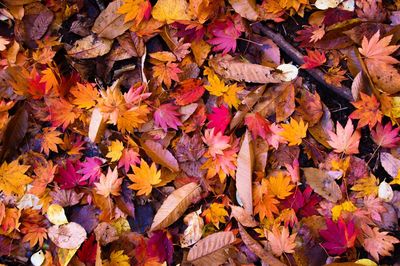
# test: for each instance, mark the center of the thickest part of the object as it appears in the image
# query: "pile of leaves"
(137, 132)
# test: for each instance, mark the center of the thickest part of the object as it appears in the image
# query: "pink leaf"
(166, 116)
(225, 34)
(219, 118)
(385, 136)
(91, 169)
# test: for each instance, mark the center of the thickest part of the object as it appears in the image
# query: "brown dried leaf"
(110, 24)
(90, 47)
(211, 250)
(323, 184)
(390, 81)
(244, 171)
(261, 149)
(175, 205)
(232, 68)
(69, 236)
(97, 126)
(257, 249)
(160, 155)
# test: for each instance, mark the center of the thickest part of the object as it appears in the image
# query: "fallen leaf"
(68, 236)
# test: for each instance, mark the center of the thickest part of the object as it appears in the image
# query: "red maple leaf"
(219, 118)
(68, 177)
(386, 136)
(257, 125)
(338, 236)
(91, 169)
(188, 91)
(36, 88)
(166, 116)
(303, 203)
(88, 250)
(160, 246)
(225, 34)
(313, 59)
(189, 30)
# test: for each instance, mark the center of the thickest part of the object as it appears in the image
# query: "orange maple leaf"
(50, 79)
(62, 113)
(166, 73)
(144, 178)
(135, 10)
(367, 111)
(264, 202)
(85, 95)
(50, 139)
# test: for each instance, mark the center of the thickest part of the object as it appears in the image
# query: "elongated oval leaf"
(245, 162)
(175, 205)
(97, 126)
(390, 163)
(234, 69)
(211, 250)
(323, 184)
(257, 249)
(110, 24)
(160, 155)
(90, 47)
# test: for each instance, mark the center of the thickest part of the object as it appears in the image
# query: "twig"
(297, 57)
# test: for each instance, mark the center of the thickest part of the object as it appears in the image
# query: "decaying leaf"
(323, 183)
(175, 205)
(160, 155)
(214, 249)
(90, 47)
(68, 236)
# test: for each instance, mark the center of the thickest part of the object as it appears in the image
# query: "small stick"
(297, 57)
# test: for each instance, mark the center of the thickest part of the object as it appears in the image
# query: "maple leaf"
(378, 243)
(36, 88)
(170, 11)
(68, 177)
(219, 118)
(335, 76)
(117, 258)
(309, 34)
(62, 113)
(132, 118)
(222, 164)
(279, 185)
(33, 226)
(50, 139)
(257, 125)
(367, 111)
(280, 240)
(44, 175)
(109, 184)
(135, 10)
(216, 142)
(313, 59)
(13, 178)
(304, 203)
(50, 79)
(188, 91)
(115, 150)
(144, 178)
(111, 103)
(215, 214)
(166, 73)
(90, 169)
(366, 186)
(10, 221)
(294, 132)
(385, 136)
(166, 116)
(129, 157)
(161, 247)
(379, 49)
(347, 206)
(345, 139)
(264, 202)
(85, 95)
(88, 250)
(225, 33)
(230, 97)
(338, 236)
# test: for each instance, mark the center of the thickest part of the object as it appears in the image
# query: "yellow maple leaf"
(170, 11)
(366, 186)
(135, 10)
(279, 185)
(294, 132)
(215, 214)
(144, 178)
(13, 178)
(117, 258)
(115, 150)
(133, 118)
(345, 206)
(50, 78)
(50, 139)
(109, 184)
(218, 88)
(85, 95)
(111, 103)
